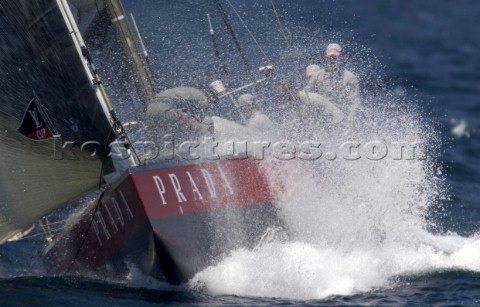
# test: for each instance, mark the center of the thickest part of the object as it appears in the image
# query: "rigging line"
(281, 26)
(230, 31)
(248, 30)
(215, 46)
(55, 223)
(104, 159)
(86, 232)
(139, 37)
(42, 234)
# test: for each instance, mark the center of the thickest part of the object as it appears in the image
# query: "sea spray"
(353, 225)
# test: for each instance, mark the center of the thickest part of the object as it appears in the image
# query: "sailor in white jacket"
(184, 108)
(340, 86)
(311, 70)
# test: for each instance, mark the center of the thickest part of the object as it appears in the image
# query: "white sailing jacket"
(342, 89)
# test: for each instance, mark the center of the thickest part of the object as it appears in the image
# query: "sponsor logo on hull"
(166, 193)
(201, 188)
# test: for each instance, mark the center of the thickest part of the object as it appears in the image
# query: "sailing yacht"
(61, 138)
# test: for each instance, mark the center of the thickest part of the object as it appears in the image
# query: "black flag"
(33, 125)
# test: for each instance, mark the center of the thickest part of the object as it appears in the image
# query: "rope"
(248, 30)
(86, 233)
(43, 234)
(281, 26)
(54, 223)
(230, 31)
(215, 47)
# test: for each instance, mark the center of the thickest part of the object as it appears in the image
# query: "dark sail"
(46, 90)
(118, 54)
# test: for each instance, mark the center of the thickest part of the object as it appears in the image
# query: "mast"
(137, 62)
(103, 99)
(87, 61)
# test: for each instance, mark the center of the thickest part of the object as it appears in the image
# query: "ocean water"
(381, 232)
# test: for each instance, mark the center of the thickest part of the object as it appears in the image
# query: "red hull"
(170, 222)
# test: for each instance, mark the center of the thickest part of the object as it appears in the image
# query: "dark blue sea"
(378, 234)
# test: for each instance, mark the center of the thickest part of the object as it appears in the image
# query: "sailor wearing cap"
(337, 84)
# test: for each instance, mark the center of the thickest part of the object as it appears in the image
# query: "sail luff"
(79, 44)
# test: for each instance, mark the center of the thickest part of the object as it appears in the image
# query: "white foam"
(354, 226)
(299, 270)
(461, 129)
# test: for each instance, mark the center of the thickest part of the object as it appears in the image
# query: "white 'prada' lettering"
(209, 182)
(118, 211)
(195, 190)
(226, 183)
(178, 189)
(97, 233)
(198, 194)
(160, 188)
(127, 207)
(101, 221)
(115, 228)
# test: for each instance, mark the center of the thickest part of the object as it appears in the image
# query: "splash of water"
(353, 225)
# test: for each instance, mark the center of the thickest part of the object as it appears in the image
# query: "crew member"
(337, 84)
(255, 120)
(306, 109)
(184, 108)
(288, 103)
(311, 70)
